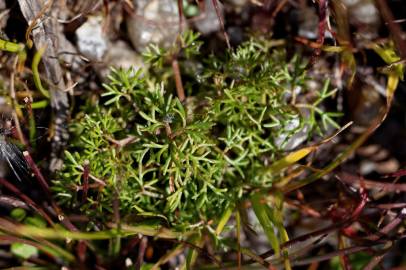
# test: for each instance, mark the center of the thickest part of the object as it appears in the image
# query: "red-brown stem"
(171, 184)
(369, 184)
(322, 232)
(106, 10)
(37, 173)
(81, 251)
(178, 80)
(26, 199)
(325, 257)
(62, 218)
(141, 251)
(388, 206)
(396, 174)
(374, 262)
(131, 245)
(13, 202)
(394, 28)
(116, 209)
(278, 8)
(216, 7)
(180, 12)
(323, 5)
(389, 227)
(204, 252)
(345, 261)
(361, 205)
(86, 173)
(304, 208)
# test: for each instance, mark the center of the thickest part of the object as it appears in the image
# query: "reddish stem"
(86, 173)
(37, 173)
(178, 80)
(62, 218)
(26, 199)
(216, 7)
(369, 184)
(394, 28)
(180, 12)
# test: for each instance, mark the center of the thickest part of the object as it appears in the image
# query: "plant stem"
(178, 80)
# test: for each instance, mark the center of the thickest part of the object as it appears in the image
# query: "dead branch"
(44, 36)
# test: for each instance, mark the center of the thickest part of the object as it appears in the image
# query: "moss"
(186, 163)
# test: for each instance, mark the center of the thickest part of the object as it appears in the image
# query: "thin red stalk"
(323, 5)
(128, 7)
(107, 17)
(325, 231)
(394, 28)
(37, 173)
(131, 245)
(216, 7)
(361, 205)
(374, 262)
(180, 12)
(178, 80)
(26, 199)
(319, 234)
(304, 208)
(369, 184)
(328, 256)
(345, 261)
(278, 8)
(116, 209)
(396, 174)
(391, 205)
(13, 202)
(203, 252)
(81, 251)
(86, 173)
(106, 7)
(389, 227)
(141, 252)
(238, 236)
(62, 218)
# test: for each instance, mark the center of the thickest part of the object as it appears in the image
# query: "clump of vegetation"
(206, 157)
(186, 163)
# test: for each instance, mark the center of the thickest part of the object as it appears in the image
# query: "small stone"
(154, 22)
(209, 22)
(364, 15)
(120, 55)
(91, 40)
(367, 13)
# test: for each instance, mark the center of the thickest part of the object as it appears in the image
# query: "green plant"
(185, 164)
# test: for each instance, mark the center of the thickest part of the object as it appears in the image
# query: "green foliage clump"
(187, 162)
